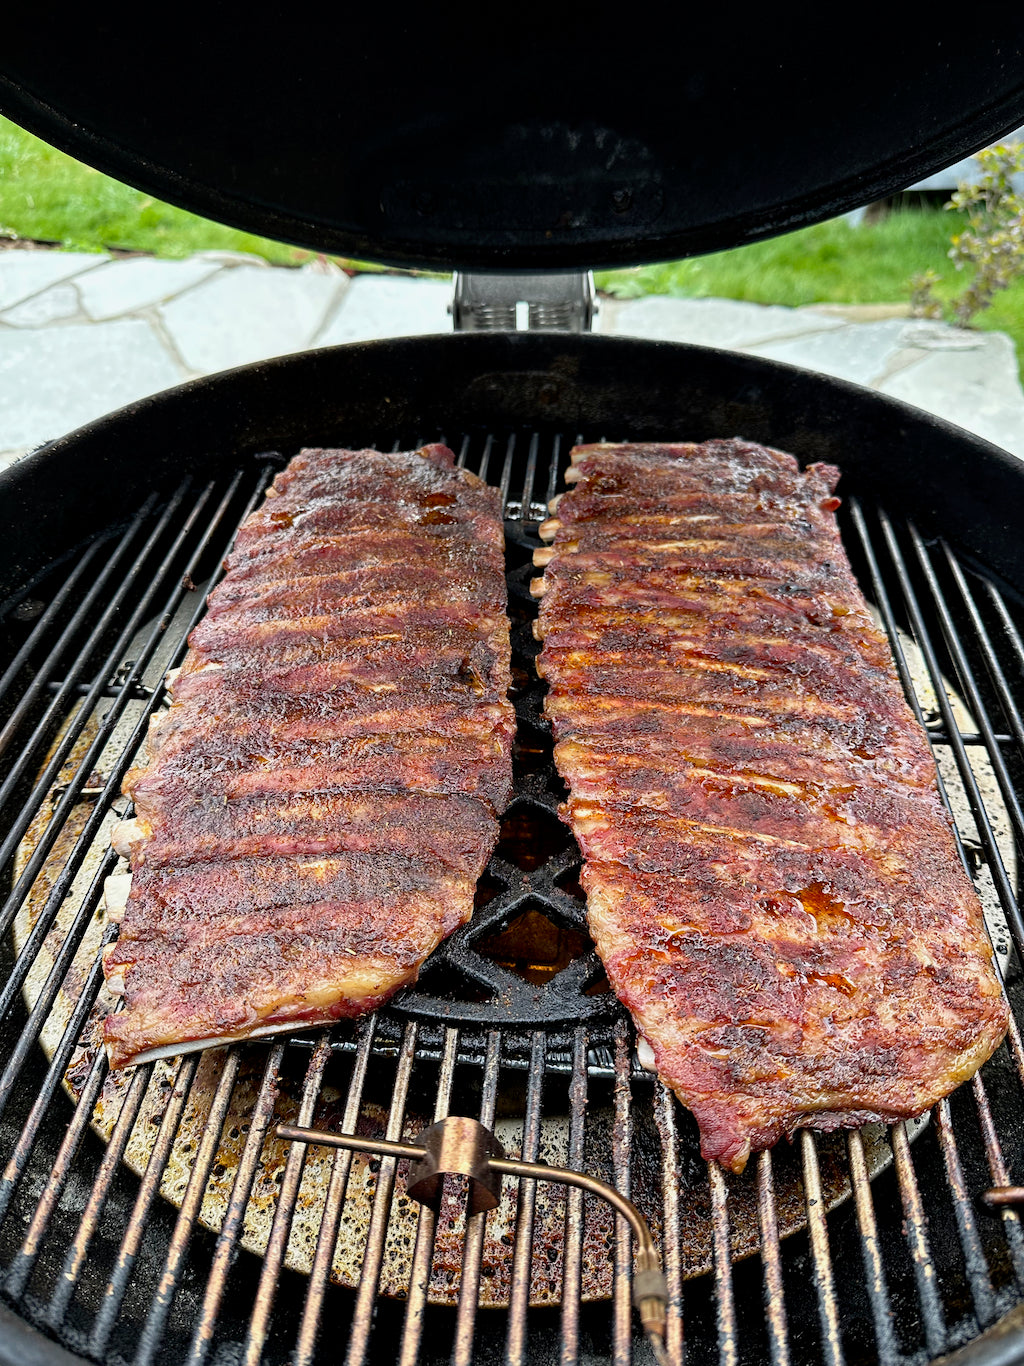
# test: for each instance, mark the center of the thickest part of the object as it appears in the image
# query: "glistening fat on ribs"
(772, 879)
(320, 798)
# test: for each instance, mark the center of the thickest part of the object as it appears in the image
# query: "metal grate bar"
(69, 1147)
(273, 1258)
(622, 1143)
(771, 1261)
(506, 469)
(106, 728)
(71, 630)
(463, 453)
(968, 683)
(1000, 1177)
(974, 1256)
(167, 1287)
(916, 1229)
(984, 825)
(665, 1118)
(37, 1016)
(419, 1275)
(174, 1104)
(62, 884)
(874, 1268)
(312, 1309)
(485, 458)
(21, 1268)
(555, 468)
(224, 1251)
(472, 1252)
(56, 709)
(19, 1158)
(992, 664)
(828, 1309)
(725, 1305)
(89, 1222)
(522, 1256)
(1004, 891)
(369, 1276)
(529, 477)
(1007, 622)
(572, 1254)
(37, 636)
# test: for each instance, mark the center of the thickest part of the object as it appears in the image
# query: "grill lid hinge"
(555, 301)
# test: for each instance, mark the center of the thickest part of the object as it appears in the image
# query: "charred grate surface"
(131, 1207)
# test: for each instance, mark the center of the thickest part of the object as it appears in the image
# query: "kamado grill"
(183, 1211)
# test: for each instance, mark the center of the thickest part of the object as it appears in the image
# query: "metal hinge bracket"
(556, 301)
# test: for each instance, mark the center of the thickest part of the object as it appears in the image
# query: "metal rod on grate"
(963, 1210)
(369, 1277)
(173, 1102)
(771, 1261)
(89, 1222)
(419, 1274)
(917, 1240)
(522, 1254)
(575, 1207)
(874, 1267)
(312, 1309)
(472, 1252)
(665, 1118)
(824, 1281)
(273, 1257)
(191, 1205)
(231, 1229)
(725, 1307)
(1000, 1177)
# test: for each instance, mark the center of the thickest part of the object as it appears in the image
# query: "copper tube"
(997, 1196)
(650, 1292)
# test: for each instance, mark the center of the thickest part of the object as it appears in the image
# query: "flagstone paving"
(82, 335)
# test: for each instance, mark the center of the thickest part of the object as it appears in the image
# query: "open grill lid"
(391, 137)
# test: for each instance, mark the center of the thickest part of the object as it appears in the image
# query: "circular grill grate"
(126, 1203)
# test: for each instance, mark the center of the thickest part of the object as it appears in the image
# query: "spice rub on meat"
(772, 879)
(314, 809)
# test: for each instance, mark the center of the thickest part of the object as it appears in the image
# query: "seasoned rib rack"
(320, 799)
(772, 880)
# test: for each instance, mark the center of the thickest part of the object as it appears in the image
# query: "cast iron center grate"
(105, 1241)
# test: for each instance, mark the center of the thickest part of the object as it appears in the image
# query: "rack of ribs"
(772, 878)
(316, 805)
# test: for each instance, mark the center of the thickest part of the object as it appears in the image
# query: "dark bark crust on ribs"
(314, 810)
(771, 875)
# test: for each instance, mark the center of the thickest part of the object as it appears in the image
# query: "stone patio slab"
(54, 379)
(126, 286)
(389, 306)
(976, 388)
(728, 323)
(246, 314)
(862, 352)
(24, 273)
(57, 302)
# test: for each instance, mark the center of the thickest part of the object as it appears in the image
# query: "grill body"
(908, 1268)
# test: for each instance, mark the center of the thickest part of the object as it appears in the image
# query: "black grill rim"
(901, 457)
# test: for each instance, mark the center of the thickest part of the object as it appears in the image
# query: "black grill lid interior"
(586, 136)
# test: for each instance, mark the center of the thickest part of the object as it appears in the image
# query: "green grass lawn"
(47, 196)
